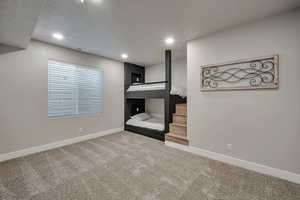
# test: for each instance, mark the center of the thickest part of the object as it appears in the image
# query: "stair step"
(180, 114)
(178, 124)
(180, 119)
(178, 129)
(177, 139)
(180, 110)
(181, 105)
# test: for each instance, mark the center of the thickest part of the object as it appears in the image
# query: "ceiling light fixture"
(124, 56)
(169, 40)
(58, 36)
(82, 1)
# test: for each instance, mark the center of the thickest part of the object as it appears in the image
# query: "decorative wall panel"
(256, 73)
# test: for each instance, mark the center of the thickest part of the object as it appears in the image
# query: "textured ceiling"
(138, 27)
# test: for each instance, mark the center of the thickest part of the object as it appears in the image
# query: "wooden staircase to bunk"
(178, 129)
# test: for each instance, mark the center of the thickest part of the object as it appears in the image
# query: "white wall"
(157, 73)
(24, 118)
(263, 126)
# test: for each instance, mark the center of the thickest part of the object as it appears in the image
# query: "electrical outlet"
(229, 147)
(80, 130)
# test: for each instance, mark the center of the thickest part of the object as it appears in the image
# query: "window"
(73, 89)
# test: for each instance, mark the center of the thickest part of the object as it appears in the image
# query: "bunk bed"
(136, 91)
(148, 125)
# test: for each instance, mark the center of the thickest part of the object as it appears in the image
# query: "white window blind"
(73, 89)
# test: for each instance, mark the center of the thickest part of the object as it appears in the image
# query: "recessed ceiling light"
(58, 36)
(169, 40)
(82, 1)
(124, 56)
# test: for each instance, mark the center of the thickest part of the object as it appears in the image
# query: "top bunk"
(146, 90)
(135, 86)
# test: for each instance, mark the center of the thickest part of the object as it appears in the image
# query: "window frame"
(81, 66)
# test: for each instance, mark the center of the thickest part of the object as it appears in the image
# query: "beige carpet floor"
(128, 167)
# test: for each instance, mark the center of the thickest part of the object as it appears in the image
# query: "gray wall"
(23, 99)
(157, 73)
(263, 126)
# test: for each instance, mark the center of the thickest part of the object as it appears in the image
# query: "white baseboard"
(37, 149)
(286, 175)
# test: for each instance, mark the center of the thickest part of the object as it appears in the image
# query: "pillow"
(141, 116)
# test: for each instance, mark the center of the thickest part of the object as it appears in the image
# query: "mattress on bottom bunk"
(146, 87)
(152, 123)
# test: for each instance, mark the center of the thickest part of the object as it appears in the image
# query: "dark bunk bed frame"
(135, 100)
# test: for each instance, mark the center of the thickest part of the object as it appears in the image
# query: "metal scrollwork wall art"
(257, 73)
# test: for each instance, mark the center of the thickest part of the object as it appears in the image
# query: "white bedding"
(152, 123)
(178, 91)
(158, 86)
(143, 87)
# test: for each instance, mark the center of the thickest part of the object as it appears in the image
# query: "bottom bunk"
(152, 133)
(147, 125)
(152, 125)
